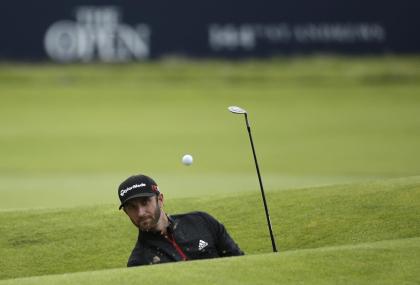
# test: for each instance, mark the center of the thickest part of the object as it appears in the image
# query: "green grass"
(43, 242)
(78, 130)
(324, 129)
(386, 262)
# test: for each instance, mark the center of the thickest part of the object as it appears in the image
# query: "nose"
(141, 211)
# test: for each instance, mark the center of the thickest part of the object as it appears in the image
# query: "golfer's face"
(144, 212)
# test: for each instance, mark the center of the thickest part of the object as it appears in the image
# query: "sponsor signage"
(119, 31)
(97, 33)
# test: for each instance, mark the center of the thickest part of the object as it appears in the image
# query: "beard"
(149, 223)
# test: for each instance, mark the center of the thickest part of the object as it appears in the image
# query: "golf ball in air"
(187, 159)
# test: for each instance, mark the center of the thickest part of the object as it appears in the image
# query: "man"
(163, 238)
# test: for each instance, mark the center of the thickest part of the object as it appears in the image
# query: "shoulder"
(193, 216)
(197, 219)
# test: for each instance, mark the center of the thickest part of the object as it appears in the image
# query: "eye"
(130, 207)
(144, 202)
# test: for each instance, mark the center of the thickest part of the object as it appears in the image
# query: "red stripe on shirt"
(178, 249)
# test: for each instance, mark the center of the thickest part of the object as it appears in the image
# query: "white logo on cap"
(124, 191)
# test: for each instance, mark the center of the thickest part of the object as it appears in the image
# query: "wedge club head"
(236, 110)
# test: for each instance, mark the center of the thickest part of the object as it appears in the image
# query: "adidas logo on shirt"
(202, 244)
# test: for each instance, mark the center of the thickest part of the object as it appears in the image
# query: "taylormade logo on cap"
(137, 186)
(124, 191)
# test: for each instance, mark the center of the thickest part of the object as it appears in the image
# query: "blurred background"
(94, 91)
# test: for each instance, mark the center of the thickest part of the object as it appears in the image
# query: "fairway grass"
(70, 133)
(343, 225)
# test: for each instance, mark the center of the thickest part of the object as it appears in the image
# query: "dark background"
(181, 27)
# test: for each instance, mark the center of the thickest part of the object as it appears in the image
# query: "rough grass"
(42, 242)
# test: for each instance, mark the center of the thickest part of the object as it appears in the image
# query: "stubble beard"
(154, 220)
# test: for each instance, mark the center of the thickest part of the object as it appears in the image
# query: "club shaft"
(273, 241)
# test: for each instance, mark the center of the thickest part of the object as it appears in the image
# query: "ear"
(160, 199)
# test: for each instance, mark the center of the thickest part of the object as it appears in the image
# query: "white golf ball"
(187, 159)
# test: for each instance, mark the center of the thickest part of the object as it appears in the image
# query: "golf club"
(238, 110)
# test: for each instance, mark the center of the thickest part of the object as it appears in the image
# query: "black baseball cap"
(137, 186)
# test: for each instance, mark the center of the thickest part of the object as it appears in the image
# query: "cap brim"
(138, 196)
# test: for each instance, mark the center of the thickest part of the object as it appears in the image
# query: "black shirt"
(195, 235)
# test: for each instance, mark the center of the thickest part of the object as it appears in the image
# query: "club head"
(236, 110)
